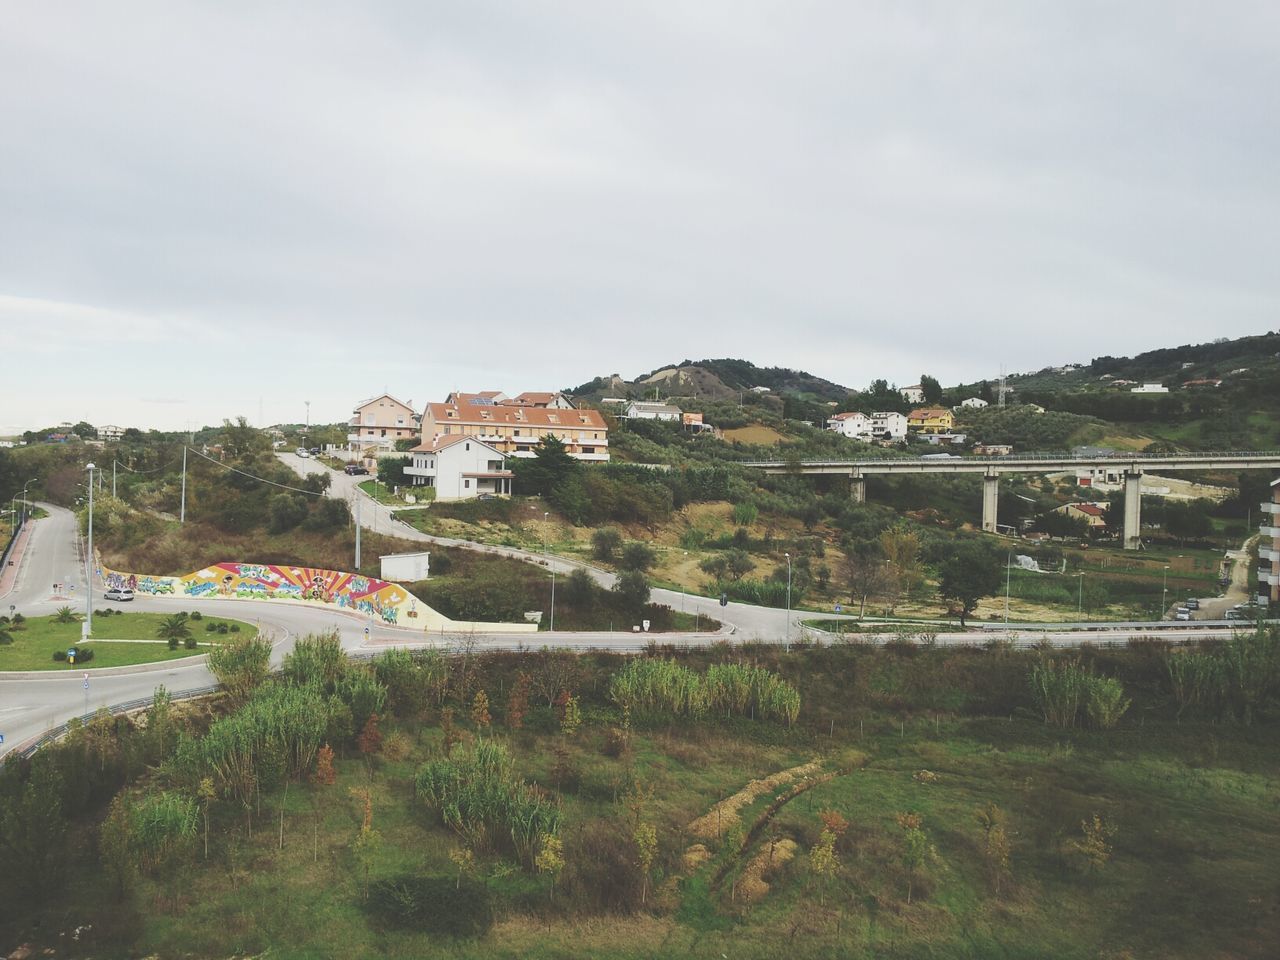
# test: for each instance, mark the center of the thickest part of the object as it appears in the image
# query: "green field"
(1186, 863)
(34, 644)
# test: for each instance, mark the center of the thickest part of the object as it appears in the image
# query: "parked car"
(1182, 615)
(487, 496)
(302, 452)
(315, 451)
(355, 470)
(119, 593)
(1192, 604)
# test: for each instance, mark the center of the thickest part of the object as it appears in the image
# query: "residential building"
(1094, 514)
(888, 425)
(517, 431)
(1100, 478)
(651, 410)
(1034, 407)
(853, 424)
(693, 423)
(1149, 388)
(931, 420)
(1203, 382)
(993, 449)
(546, 401)
(945, 439)
(459, 467)
(974, 403)
(1269, 550)
(376, 424)
(913, 394)
(110, 433)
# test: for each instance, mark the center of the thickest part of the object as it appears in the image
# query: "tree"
(995, 845)
(1095, 843)
(864, 571)
(631, 591)
(480, 710)
(325, 774)
(241, 665)
(450, 731)
(901, 548)
(114, 847)
(368, 842)
(823, 861)
(518, 702)
(370, 740)
(548, 468)
(605, 543)
(464, 860)
(915, 847)
(550, 858)
(174, 628)
(570, 715)
(931, 389)
(206, 793)
(638, 556)
(33, 831)
(646, 840)
(969, 574)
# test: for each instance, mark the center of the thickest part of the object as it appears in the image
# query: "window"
(467, 445)
(466, 484)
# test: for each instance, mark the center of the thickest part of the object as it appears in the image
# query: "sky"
(220, 209)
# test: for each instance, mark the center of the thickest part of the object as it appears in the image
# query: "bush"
(441, 905)
(191, 643)
(173, 643)
(59, 656)
(638, 556)
(605, 543)
(210, 627)
(197, 615)
(235, 628)
(222, 628)
(83, 655)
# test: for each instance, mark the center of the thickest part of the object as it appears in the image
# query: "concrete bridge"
(1133, 466)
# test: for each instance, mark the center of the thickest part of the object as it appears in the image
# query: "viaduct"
(1132, 464)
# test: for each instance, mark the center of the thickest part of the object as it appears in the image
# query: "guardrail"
(1066, 456)
(28, 748)
(13, 539)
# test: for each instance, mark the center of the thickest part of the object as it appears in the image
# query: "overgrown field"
(855, 801)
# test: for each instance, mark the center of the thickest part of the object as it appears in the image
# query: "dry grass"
(752, 885)
(723, 816)
(755, 433)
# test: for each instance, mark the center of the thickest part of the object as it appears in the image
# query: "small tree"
(175, 629)
(1095, 843)
(114, 846)
(638, 556)
(550, 859)
(449, 729)
(480, 710)
(645, 836)
(995, 845)
(824, 862)
(325, 774)
(464, 860)
(370, 741)
(915, 847)
(968, 575)
(605, 543)
(518, 701)
(206, 794)
(570, 715)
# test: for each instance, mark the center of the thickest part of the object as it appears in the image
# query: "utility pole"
(357, 496)
(553, 599)
(89, 565)
(787, 645)
(182, 515)
(1008, 573)
(113, 478)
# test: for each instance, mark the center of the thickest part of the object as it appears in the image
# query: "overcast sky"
(211, 209)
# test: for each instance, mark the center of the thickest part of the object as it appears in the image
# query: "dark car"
(315, 451)
(355, 470)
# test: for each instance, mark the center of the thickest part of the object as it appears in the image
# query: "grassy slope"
(1198, 841)
(33, 646)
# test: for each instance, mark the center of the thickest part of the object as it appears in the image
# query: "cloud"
(243, 209)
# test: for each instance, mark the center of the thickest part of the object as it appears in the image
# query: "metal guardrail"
(13, 539)
(1171, 459)
(29, 747)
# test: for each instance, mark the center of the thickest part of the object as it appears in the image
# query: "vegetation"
(36, 642)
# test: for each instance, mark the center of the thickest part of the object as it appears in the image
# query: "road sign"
(837, 608)
(724, 599)
(86, 681)
(1, 738)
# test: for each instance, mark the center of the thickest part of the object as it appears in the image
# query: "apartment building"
(516, 431)
(376, 424)
(931, 420)
(1269, 550)
(459, 467)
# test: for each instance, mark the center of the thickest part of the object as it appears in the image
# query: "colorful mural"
(389, 602)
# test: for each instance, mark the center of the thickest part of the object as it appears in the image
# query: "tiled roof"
(474, 413)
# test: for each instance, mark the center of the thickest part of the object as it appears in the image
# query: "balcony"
(1271, 508)
(412, 471)
(591, 457)
(1270, 554)
(1271, 533)
(1270, 577)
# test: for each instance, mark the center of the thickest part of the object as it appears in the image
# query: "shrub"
(197, 615)
(605, 543)
(395, 746)
(222, 628)
(235, 628)
(191, 643)
(638, 556)
(59, 656)
(64, 615)
(6, 637)
(84, 654)
(446, 906)
(1107, 702)
(210, 628)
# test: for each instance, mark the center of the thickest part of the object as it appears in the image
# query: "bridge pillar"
(858, 488)
(1133, 510)
(990, 501)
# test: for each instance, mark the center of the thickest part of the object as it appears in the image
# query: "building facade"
(516, 431)
(651, 410)
(459, 467)
(376, 424)
(854, 424)
(931, 420)
(888, 425)
(1269, 551)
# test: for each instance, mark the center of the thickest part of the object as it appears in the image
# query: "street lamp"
(545, 519)
(1080, 596)
(788, 641)
(683, 589)
(1164, 593)
(88, 580)
(1008, 573)
(26, 507)
(553, 600)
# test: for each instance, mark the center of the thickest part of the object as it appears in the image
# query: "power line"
(282, 486)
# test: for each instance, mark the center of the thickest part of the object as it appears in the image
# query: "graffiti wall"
(388, 602)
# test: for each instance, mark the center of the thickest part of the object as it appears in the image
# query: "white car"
(119, 593)
(302, 452)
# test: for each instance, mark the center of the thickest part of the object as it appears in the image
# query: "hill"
(714, 380)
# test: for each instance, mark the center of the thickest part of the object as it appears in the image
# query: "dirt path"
(1237, 591)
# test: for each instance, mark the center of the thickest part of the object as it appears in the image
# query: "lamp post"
(683, 589)
(546, 515)
(787, 645)
(26, 506)
(553, 600)
(88, 579)
(1008, 574)
(1164, 593)
(1080, 595)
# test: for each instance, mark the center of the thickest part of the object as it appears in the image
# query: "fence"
(13, 539)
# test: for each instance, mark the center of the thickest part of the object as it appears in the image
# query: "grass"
(380, 492)
(33, 646)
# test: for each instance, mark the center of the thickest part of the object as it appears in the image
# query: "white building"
(889, 425)
(1149, 388)
(913, 394)
(855, 424)
(974, 403)
(649, 410)
(110, 433)
(459, 467)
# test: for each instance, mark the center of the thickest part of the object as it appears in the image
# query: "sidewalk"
(9, 575)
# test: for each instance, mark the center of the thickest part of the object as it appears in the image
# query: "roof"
(654, 406)
(475, 413)
(381, 396)
(850, 415)
(536, 397)
(448, 440)
(928, 412)
(491, 475)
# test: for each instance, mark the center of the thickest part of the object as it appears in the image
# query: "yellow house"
(377, 423)
(931, 420)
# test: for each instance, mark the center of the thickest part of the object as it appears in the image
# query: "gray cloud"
(319, 201)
